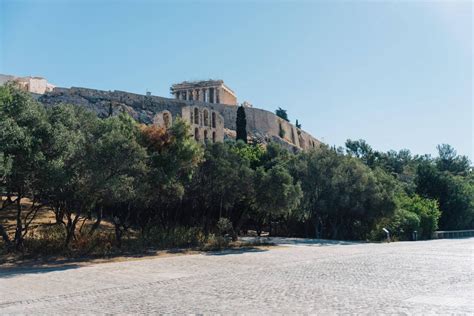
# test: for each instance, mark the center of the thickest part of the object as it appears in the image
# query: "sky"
(398, 74)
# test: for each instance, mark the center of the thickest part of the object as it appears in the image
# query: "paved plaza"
(428, 277)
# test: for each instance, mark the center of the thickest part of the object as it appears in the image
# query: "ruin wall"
(260, 123)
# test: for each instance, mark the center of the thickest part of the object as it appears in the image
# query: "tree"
(360, 149)
(414, 214)
(173, 157)
(277, 194)
(282, 114)
(222, 187)
(449, 161)
(241, 124)
(454, 194)
(297, 124)
(23, 130)
(118, 163)
(251, 154)
(92, 163)
(342, 197)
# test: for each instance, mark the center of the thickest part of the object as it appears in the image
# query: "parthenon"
(209, 91)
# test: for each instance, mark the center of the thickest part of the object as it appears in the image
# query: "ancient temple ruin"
(209, 91)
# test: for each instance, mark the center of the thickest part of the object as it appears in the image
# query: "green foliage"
(414, 214)
(454, 194)
(449, 160)
(404, 223)
(342, 197)
(427, 210)
(282, 114)
(224, 226)
(176, 237)
(446, 179)
(23, 133)
(251, 154)
(277, 193)
(281, 131)
(297, 124)
(161, 185)
(221, 184)
(241, 124)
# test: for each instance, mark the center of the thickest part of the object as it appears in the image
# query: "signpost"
(388, 233)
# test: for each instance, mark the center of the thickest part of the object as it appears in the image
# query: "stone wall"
(262, 124)
(206, 124)
(226, 98)
(37, 85)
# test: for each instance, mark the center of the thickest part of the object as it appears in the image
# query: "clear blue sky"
(397, 74)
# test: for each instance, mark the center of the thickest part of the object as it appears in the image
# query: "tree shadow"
(6, 273)
(290, 241)
(234, 251)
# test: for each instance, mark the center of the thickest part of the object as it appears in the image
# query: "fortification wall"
(260, 123)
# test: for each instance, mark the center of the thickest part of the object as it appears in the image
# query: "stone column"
(216, 97)
(190, 95)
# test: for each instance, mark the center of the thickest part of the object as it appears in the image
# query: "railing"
(453, 234)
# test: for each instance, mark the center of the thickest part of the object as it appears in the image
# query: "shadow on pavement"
(238, 251)
(286, 241)
(15, 271)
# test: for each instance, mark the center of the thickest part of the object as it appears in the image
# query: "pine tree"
(241, 123)
(298, 125)
(282, 114)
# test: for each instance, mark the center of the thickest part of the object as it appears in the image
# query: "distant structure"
(207, 124)
(38, 85)
(209, 91)
(247, 104)
(209, 107)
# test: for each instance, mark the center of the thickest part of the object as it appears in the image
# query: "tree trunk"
(70, 229)
(335, 228)
(19, 225)
(270, 225)
(5, 237)
(118, 233)
(97, 222)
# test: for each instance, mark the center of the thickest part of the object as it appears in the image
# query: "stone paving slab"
(425, 277)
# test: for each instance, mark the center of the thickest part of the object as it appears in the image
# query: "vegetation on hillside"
(282, 114)
(241, 124)
(161, 187)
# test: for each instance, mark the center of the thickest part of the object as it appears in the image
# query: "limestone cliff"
(261, 124)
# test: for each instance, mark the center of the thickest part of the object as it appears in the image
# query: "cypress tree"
(241, 124)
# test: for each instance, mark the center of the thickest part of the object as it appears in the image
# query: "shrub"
(100, 243)
(176, 237)
(427, 211)
(404, 223)
(224, 226)
(214, 242)
(281, 132)
(46, 240)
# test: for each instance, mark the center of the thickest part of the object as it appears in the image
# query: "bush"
(427, 211)
(224, 226)
(177, 237)
(404, 223)
(46, 240)
(214, 242)
(100, 243)
(281, 131)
